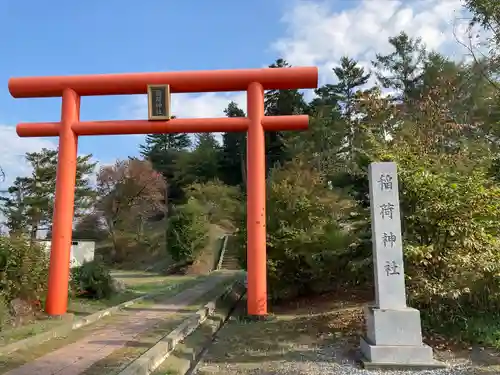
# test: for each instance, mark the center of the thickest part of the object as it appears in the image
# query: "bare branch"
(470, 48)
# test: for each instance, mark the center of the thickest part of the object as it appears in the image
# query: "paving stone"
(75, 358)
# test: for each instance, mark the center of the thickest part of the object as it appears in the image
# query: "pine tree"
(351, 77)
(29, 205)
(204, 164)
(232, 157)
(277, 103)
(401, 69)
(165, 152)
(163, 142)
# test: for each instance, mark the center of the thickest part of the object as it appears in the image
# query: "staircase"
(229, 257)
(230, 262)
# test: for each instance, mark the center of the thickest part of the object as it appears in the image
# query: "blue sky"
(111, 36)
(67, 37)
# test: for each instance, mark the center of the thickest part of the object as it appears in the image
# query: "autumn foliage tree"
(130, 193)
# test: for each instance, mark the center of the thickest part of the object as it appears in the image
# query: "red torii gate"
(71, 88)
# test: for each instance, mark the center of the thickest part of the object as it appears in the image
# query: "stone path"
(75, 358)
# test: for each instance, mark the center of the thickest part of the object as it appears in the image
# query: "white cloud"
(13, 162)
(191, 105)
(206, 105)
(317, 34)
(13, 150)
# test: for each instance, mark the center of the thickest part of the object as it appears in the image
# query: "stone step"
(229, 260)
(230, 265)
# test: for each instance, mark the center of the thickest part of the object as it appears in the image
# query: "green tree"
(90, 227)
(30, 202)
(164, 142)
(325, 104)
(448, 202)
(167, 154)
(223, 204)
(351, 77)
(401, 69)
(486, 56)
(232, 156)
(24, 267)
(204, 160)
(335, 141)
(276, 103)
(187, 231)
(302, 210)
(14, 206)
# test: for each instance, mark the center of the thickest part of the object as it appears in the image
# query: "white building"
(81, 251)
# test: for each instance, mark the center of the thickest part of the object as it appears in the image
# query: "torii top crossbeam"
(180, 82)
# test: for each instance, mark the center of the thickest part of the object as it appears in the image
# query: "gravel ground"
(317, 338)
(323, 368)
(322, 361)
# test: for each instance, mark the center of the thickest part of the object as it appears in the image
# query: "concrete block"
(393, 327)
(401, 356)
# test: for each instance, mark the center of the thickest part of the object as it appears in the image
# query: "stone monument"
(393, 330)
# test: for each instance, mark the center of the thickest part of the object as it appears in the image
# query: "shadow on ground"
(325, 329)
(320, 329)
(138, 275)
(122, 343)
(162, 309)
(287, 338)
(7, 364)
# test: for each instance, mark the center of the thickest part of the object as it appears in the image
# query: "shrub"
(23, 269)
(187, 231)
(452, 245)
(305, 235)
(221, 202)
(92, 280)
(5, 316)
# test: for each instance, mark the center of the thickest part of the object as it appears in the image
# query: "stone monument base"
(397, 357)
(394, 340)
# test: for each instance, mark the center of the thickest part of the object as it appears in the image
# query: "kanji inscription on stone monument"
(386, 236)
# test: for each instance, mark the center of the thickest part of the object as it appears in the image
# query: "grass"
(137, 283)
